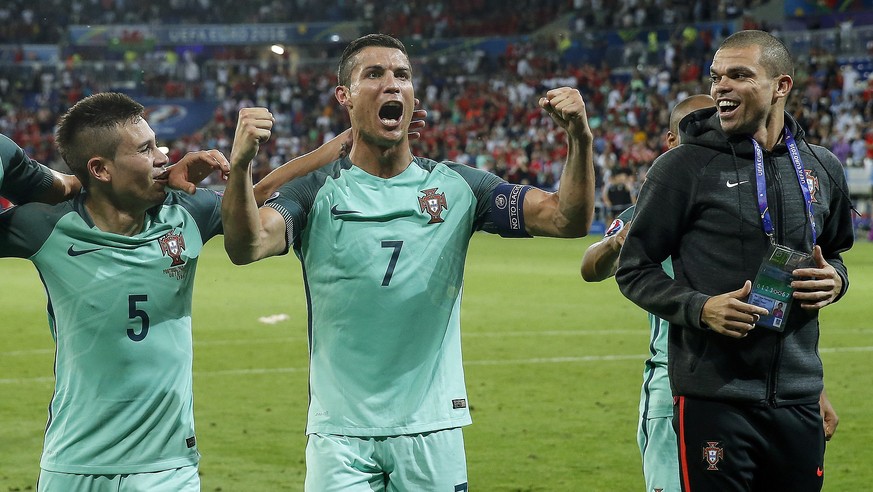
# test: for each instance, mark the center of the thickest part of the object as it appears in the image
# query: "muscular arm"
(569, 211)
(250, 233)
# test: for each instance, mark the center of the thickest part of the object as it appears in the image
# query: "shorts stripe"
(683, 455)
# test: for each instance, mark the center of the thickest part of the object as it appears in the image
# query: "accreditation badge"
(772, 289)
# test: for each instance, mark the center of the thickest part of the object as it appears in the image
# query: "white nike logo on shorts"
(731, 185)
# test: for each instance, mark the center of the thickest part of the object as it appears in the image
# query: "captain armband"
(507, 209)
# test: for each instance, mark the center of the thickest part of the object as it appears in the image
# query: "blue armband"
(507, 209)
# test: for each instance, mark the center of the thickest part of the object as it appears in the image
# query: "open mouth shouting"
(391, 114)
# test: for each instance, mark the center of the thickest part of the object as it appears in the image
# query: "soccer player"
(655, 435)
(743, 191)
(382, 236)
(24, 180)
(118, 264)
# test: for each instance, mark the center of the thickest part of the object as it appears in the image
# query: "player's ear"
(671, 139)
(98, 169)
(783, 86)
(342, 95)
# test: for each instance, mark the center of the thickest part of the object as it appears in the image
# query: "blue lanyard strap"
(794, 153)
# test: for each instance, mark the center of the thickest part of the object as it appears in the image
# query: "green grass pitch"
(553, 369)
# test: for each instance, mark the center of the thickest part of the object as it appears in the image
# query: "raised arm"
(569, 211)
(250, 233)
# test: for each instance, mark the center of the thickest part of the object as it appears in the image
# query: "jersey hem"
(388, 431)
(121, 469)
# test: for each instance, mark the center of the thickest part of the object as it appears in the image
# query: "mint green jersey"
(656, 398)
(119, 311)
(383, 263)
(21, 177)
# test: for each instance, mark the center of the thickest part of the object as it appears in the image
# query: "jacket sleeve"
(837, 232)
(662, 214)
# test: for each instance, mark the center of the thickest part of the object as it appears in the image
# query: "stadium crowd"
(484, 121)
(45, 21)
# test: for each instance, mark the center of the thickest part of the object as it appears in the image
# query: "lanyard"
(794, 153)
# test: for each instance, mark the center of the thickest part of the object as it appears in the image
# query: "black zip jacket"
(699, 206)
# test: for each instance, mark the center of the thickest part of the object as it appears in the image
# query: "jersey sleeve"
(205, 206)
(620, 222)
(499, 205)
(25, 228)
(293, 201)
(22, 178)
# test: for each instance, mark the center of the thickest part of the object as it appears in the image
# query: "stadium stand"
(479, 65)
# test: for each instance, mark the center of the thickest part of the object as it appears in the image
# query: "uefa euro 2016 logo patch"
(712, 454)
(614, 228)
(433, 203)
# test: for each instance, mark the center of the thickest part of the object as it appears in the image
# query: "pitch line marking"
(504, 362)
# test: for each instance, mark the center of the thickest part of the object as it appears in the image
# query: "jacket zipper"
(779, 232)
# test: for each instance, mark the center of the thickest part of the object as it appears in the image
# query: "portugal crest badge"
(712, 454)
(173, 245)
(433, 203)
(812, 183)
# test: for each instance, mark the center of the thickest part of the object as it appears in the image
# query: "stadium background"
(479, 67)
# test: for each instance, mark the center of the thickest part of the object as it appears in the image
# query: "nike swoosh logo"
(336, 211)
(73, 252)
(731, 185)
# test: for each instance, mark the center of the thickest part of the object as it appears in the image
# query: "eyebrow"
(382, 67)
(734, 69)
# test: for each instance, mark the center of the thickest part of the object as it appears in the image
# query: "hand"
(252, 129)
(829, 417)
(823, 286)
(417, 122)
(567, 109)
(729, 314)
(193, 168)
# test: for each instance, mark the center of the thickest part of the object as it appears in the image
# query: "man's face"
(137, 161)
(744, 92)
(380, 96)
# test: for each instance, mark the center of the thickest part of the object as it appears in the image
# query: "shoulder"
(9, 150)
(202, 198)
(475, 178)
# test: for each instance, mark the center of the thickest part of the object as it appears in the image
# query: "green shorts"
(183, 479)
(433, 461)
(657, 441)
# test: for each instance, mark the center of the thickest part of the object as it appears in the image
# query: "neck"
(771, 133)
(379, 160)
(108, 217)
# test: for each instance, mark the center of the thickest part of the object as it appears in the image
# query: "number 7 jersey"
(383, 263)
(119, 309)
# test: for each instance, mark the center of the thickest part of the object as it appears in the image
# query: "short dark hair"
(775, 56)
(89, 129)
(344, 72)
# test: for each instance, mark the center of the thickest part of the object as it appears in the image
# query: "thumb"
(818, 257)
(742, 292)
